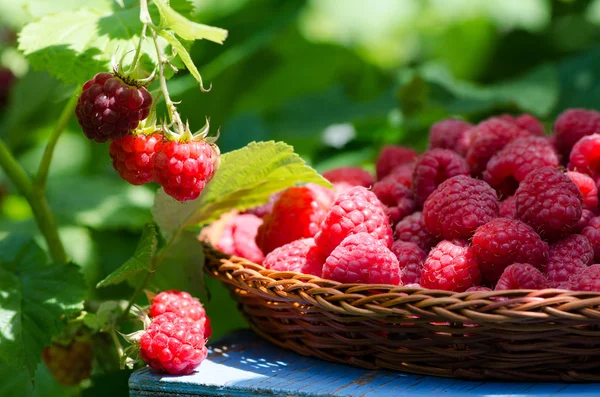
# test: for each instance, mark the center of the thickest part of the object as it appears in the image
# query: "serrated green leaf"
(184, 55)
(245, 179)
(139, 262)
(34, 298)
(186, 29)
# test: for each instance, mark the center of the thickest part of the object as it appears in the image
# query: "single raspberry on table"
(550, 202)
(355, 211)
(587, 187)
(69, 364)
(572, 125)
(445, 134)
(566, 257)
(398, 200)
(508, 208)
(450, 266)
(133, 157)
(173, 344)
(361, 258)
(521, 276)
(298, 256)
(585, 155)
(584, 221)
(507, 168)
(502, 242)
(413, 229)
(433, 168)
(587, 279)
(392, 156)
(592, 232)
(183, 305)
(411, 259)
(354, 176)
(459, 206)
(110, 107)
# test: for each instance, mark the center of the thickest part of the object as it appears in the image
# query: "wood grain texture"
(242, 364)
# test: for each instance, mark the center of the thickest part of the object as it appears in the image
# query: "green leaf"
(186, 29)
(245, 179)
(35, 296)
(139, 262)
(184, 55)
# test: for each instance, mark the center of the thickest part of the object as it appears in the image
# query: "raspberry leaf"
(186, 29)
(183, 54)
(35, 301)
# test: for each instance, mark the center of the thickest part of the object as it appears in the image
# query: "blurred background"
(336, 79)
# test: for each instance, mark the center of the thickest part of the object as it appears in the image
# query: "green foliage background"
(336, 80)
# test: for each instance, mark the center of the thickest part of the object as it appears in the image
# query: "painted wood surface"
(242, 364)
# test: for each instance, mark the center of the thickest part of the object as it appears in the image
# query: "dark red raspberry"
(566, 257)
(69, 364)
(398, 200)
(507, 168)
(525, 122)
(587, 187)
(133, 157)
(413, 229)
(433, 168)
(402, 175)
(508, 208)
(585, 155)
(184, 168)
(354, 176)
(459, 206)
(110, 108)
(550, 202)
(478, 288)
(173, 345)
(355, 211)
(502, 242)
(489, 137)
(521, 276)
(239, 237)
(586, 217)
(592, 232)
(392, 156)
(587, 279)
(298, 256)
(450, 267)
(572, 125)
(361, 258)
(446, 134)
(183, 305)
(411, 259)
(465, 141)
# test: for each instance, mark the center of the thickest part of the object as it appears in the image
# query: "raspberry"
(69, 364)
(459, 206)
(586, 217)
(183, 305)
(133, 157)
(238, 237)
(465, 141)
(184, 168)
(446, 134)
(354, 176)
(298, 256)
(508, 208)
(587, 279)
(296, 214)
(265, 209)
(572, 125)
(585, 155)
(450, 267)
(110, 108)
(507, 168)
(173, 345)
(411, 259)
(502, 242)
(587, 187)
(362, 258)
(402, 175)
(525, 122)
(592, 232)
(397, 199)
(392, 156)
(566, 257)
(355, 211)
(521, 276)
(490, 137)
(478, 288)
(412, 229)
(550, 202)
(433, 168)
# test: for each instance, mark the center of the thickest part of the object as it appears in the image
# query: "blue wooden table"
(242, 364)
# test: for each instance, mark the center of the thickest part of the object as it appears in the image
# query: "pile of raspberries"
(494, 206)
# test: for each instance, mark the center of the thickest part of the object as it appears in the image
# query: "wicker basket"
(527, 335)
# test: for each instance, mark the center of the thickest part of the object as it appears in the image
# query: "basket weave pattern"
(529, 335)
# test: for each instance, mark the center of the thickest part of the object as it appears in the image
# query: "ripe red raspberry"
(489, 137)
(585, 155)
(298, 256)
(566, 257)
(572, 125)
(433, 168)
(459, 206)
(392, 156)
(445, 134)
(465, 141)
(587, 187)
(508, 208)
(411, 259)
(361, 258)
(69, 364)
(398, 200)
(550, 202)
(402, 175)
(587, 279)
(110, 108)
(133, 157)
(184, 168)
(451, 267)
(173, 345)
(183, 305)
(354, 176)
(296, 214)
(507, 168)
(521, 276)
(238, 237)
(355, 211)
(413, 229)
(584, 221)
(592, 232)
(525, 122)
(502, 242)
